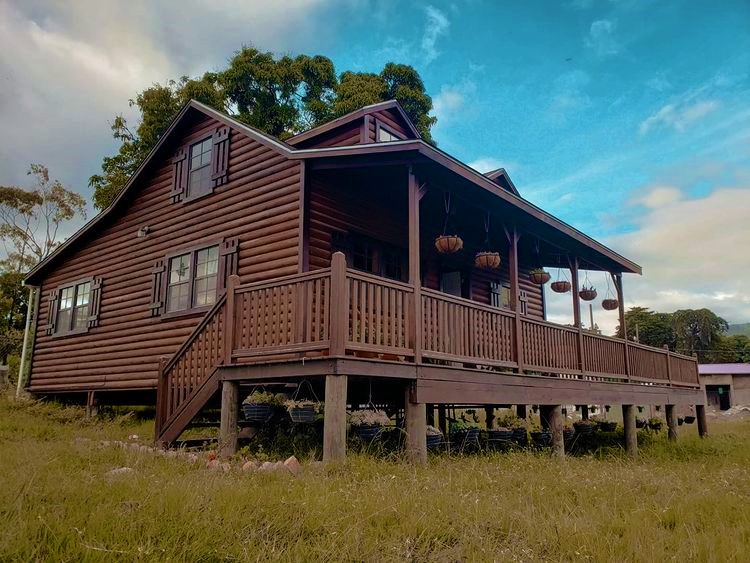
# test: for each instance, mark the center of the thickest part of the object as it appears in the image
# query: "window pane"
(83, 293)
(63, 320)
(177, 297)
(66, 298)
(80, 317)
(385, 136)
(179, 269)
(206, 273)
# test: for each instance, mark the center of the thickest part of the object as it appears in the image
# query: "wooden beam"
(577, 309)
(416, 427)
(334, 421)
(700, 415)
(631, 433)
(671, 423)
(415, 279)
(230, 411)
(556, 426)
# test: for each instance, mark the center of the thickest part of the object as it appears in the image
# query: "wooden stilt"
(555, 420)
(631, 434)
(544, 416)
(584, 412)
(431, 415)
(700, 415)
(334, 421)
(671, 423)
(443, 420)
(416, 429)
(92, 407)
(230, 412)
(521, 411)
(489, 417)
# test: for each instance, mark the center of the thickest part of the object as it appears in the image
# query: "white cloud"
(436, 26)
(488, 163)
(452, 99)
(677, 117)
(659, 83)
(601, 38)
(569, 95)
(658, 196)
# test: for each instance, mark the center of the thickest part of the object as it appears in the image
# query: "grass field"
(688, 501)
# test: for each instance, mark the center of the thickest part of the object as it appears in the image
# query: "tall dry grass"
(686, 502)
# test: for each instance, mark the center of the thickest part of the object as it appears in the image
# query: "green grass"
(685, 502)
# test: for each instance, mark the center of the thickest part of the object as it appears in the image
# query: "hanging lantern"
(487, 259)
(539, 276)
(610, 304)
(445, 243)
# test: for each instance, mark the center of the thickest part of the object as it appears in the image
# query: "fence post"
(161, 391)
(339, 305)
(229, 309)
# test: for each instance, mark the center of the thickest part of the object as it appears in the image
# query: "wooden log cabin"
(232, 258)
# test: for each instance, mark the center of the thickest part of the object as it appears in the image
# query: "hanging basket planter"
(560, 286)
(587, 293)
(539, 276)
(449, 244)
(487, 260)
(610, 304)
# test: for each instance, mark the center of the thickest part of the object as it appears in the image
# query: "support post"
(431, 415)
(443, 420)
(489, 417)
(229, 324)
(513, 238)
(700, 415)
(577, 309)
(230, 412)
(631, 434)
(584, 412)
(92, 406)
(416, 427)
(28, 344)
(339, 306)
(521, 411)
(415, 279)
(554, 413)
(617, 278)
(544, 416)
(334, 421)
(671, 423)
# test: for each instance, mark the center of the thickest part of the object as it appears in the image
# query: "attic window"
(385, 133)
(199, 182)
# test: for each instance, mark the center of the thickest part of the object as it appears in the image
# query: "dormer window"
(384, 134)
(199, 179)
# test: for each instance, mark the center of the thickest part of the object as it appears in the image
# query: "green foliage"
(698, 331)
(731, 349)
(653, 329)
(280, 96)
(265, 398)
(742, 329)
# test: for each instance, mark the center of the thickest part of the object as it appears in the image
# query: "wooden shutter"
(220, 156)
(54, 301)
(95, 302)
(229, 257)
(180, 174)
(158, 288)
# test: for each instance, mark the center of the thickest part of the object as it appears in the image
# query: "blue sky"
(629, 119)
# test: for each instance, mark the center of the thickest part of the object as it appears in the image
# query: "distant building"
(726, 385)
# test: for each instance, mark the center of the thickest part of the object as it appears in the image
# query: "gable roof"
(414, 145)
(353, 116)
(501, 177)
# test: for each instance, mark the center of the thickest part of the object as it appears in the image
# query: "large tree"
(281, 96)
(698, 331)
(650, 328)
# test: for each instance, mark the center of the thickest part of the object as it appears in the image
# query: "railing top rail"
(364, 276)
(196, 331)
(602, 337)
(548, 324)
(304, 276)
(682, 356)
(465, 302)
(647, 348)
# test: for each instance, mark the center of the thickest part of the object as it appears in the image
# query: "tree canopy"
(282, 96)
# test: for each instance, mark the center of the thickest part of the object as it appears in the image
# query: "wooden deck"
(338, 320)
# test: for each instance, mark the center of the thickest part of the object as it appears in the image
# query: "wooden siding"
(347, 134)
(259, 204)
(390, 119)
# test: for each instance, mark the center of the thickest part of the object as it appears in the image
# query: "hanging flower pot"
(560, 286)
(487, 260)
(539, 276)
(587, 293)
(449, 244)
(610, 304)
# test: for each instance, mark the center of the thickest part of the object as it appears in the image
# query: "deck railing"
(339, 311)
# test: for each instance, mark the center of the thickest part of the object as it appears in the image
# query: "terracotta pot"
(560, 286)
(610, 304)
(449, 244)
(587, 294)
(539, 278)
(487, 260)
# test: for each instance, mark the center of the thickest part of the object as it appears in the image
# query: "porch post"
(334, 420)
(339, 323)
(416, 427)
(631, 434)
(489, 417)
(28, 340)
(415, 279)
(513, 238)
(229, 319)
(700, 415)
(577, 309)
(230, 410)
(617, 278)
(584, 412)
(671, 423)
(554, 413)
(442, 420)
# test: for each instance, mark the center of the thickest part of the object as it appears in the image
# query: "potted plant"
(259, 406)
(487, 260)
(587, 293)
(605, 425)
(655, 424)
(464, 433)
(680, 421)
(584, 427)
(568, 434)
(610, 304)
(539, 276)
(368, 423)
(448, 244)
(560, 286)
(302, 411)
(689, 419)
(434, 438)
(541, 437)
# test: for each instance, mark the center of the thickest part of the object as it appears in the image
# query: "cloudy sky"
(629, 119)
